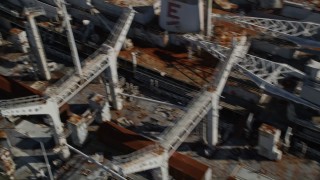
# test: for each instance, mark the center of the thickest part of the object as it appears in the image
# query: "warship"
(159, 89)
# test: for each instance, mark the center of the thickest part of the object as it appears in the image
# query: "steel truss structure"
(265, 73)
(104, 57)
(273, 27)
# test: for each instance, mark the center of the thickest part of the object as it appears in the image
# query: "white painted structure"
(79, 129)
(38, 106)
(268, 142)
(238, 53)
(100, 104)
(182, 16)
(66, 22)
(265, 73)
(19, 39)
(157, 156)
(36, 42)
(104, 58)
(273, 27)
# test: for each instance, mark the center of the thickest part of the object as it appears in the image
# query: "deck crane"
(157, 156)
(206, 103)
(272, 27)
(266, 74)
(102, 59)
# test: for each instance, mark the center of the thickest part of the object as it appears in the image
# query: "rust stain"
(267, 128)
(74, 119)
(15, 31)
(3, 134)
(225, 4)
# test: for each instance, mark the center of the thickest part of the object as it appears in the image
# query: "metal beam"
(73, 48)
(272, 27)
(35, 40)
(264, 73)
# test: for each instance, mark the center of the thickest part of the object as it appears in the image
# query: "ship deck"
(174, 62)
(149, 119)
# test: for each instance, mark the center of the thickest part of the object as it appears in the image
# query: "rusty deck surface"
(11, 88)
(174, 63)
(289, 167)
